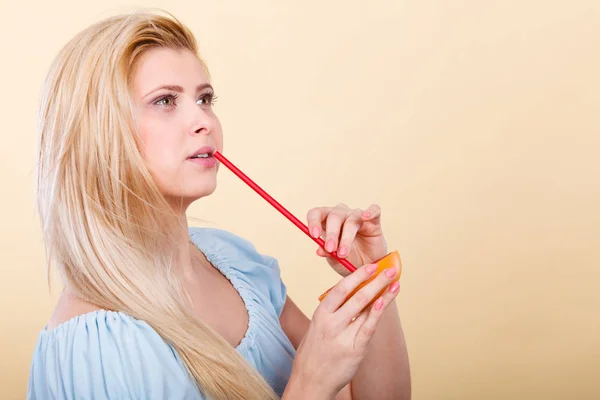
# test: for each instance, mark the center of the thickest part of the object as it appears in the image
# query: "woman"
(152, 309)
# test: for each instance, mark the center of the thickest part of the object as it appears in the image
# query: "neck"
(186, 248)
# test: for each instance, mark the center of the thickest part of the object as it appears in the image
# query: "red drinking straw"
(280, 208)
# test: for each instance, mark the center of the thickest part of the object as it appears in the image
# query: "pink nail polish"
(394, 287)
(379, 303)
(391, 272)
(342, 251)
(366, 214)
(329, 245)
(372, 268)
(315, 232)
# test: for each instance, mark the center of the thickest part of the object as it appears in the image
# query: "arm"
(384, 373)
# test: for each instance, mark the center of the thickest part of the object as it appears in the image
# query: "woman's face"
(180, 131)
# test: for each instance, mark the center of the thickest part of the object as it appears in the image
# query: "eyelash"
(210, 97)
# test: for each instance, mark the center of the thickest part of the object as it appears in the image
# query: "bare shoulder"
(68, 307)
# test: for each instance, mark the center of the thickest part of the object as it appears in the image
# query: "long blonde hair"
(106, 226)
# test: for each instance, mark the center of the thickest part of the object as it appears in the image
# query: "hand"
(338, 335)
(355, 234)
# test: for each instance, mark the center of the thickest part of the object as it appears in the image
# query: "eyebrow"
(178, 89)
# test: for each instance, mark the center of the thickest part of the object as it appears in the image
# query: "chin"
(200, 191)
(187, 197)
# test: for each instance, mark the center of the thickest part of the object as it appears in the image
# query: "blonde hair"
(105, 224)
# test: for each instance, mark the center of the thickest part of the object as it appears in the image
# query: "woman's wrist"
(301, 387)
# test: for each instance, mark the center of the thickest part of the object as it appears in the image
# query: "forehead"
(161, 66)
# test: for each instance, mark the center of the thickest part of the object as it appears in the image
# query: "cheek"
(217, 135)
(161, 149)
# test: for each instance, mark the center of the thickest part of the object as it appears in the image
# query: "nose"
(202, 122)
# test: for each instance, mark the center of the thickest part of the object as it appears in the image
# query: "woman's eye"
(207, 99)
(168, 101)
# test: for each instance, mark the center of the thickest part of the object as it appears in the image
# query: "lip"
(205, 149)
(208, 162)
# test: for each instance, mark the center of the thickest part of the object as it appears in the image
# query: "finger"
(333, 226)
(371, 213)
(359, 320)
(366, 294)
(351, 226)
(340, 292)
(315, 218)
(321, 252)
(366, 324)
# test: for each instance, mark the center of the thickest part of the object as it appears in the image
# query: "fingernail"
(391, 272)
(329, 245)
(342, 251)
(315, 232)
(394, 287)
(372, 268)
(366, 214)
(379, 303)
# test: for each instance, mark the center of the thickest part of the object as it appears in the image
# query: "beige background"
(474, 124)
